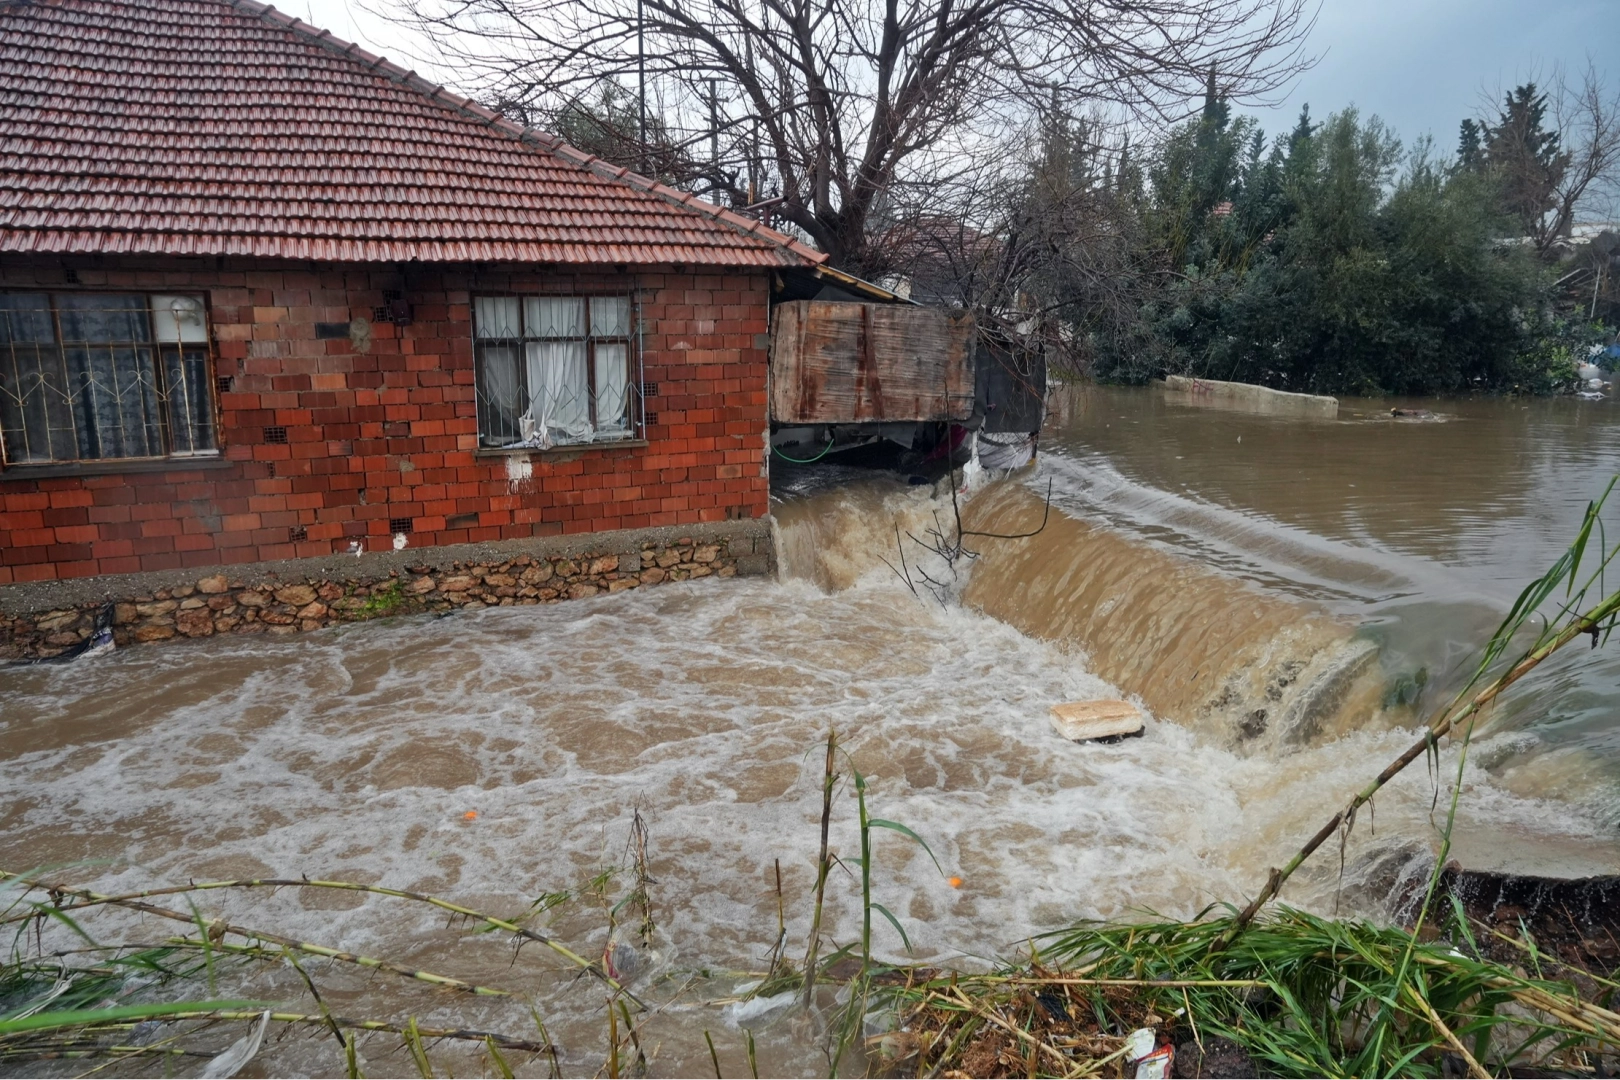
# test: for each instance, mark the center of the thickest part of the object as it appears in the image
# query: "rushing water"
(1418, 532)
(356, 753)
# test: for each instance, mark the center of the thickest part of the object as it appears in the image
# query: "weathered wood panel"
(849, 363)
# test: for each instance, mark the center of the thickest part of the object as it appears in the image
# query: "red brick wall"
(391, 432)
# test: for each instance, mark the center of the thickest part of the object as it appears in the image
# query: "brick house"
(267, 297)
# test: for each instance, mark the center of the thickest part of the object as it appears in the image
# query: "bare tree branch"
(1587, 117)
(845, 108)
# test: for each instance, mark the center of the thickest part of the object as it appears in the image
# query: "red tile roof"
(223, 127)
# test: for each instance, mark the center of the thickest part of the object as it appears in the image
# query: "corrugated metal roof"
(223, 127)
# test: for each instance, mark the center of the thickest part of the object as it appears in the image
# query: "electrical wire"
(805, 461)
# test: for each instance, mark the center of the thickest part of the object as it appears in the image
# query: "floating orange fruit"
(955, 882)
(469, 815)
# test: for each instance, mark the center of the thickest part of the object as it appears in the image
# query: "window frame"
(634, 431)
(160, 348)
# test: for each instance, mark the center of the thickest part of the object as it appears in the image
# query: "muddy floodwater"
(1420, 532)
(1331, 575)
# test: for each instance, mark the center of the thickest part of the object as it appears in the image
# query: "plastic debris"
(1153, 1059)
(238, 1054)
(742, 1013)
(100, 641)
(620, 960)
(1157, 1065)
(1139, 1044)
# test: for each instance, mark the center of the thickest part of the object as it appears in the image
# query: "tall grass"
(1301, 995)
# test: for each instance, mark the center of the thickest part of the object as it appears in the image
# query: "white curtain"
(612, 387)
(553, 317)
(610, 317)
(497, 317)
(559, 391)
(559, 387)
(500, 392)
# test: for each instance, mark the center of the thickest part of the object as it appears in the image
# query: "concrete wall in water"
(1199, 648)
(1246, 397)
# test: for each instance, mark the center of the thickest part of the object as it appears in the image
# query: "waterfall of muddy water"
(1244, 669)
(1417, 532)
(356, 752)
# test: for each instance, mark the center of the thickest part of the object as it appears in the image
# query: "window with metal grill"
(555, 370)
(104, 376)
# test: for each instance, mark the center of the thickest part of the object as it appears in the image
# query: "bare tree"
(1050, 254)
(1587, 116)
(1556, 153)
(833, 107)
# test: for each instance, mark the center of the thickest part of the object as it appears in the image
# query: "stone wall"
(310, 594)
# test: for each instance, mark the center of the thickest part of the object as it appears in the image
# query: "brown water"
(1418, 533)
(356, 752)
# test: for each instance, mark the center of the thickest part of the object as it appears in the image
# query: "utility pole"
(753, 142)
(641, 80)
(714, 131)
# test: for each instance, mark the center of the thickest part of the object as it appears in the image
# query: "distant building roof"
(223, 127)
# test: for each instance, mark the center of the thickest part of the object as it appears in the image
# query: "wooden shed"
(856, 363)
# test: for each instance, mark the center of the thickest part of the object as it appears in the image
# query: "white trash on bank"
(1152, 1061)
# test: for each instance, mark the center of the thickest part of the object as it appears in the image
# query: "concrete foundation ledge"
(47, 618)
(1248, 397)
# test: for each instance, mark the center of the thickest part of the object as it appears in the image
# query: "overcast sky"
(1419, 64)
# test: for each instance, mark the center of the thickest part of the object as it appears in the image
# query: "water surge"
(357, 753)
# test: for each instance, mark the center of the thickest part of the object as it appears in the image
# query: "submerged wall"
(1247, 397)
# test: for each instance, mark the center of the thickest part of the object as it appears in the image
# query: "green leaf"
(52, 911)
(894, 922)
(48, 1021)
(494, 1056)
(1578, 548)
(881, 823)
(413, 1039)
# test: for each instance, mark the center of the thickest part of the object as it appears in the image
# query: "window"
(103, 376)
(555, 370)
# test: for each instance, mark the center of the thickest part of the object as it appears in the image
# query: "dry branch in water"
(87, 898)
